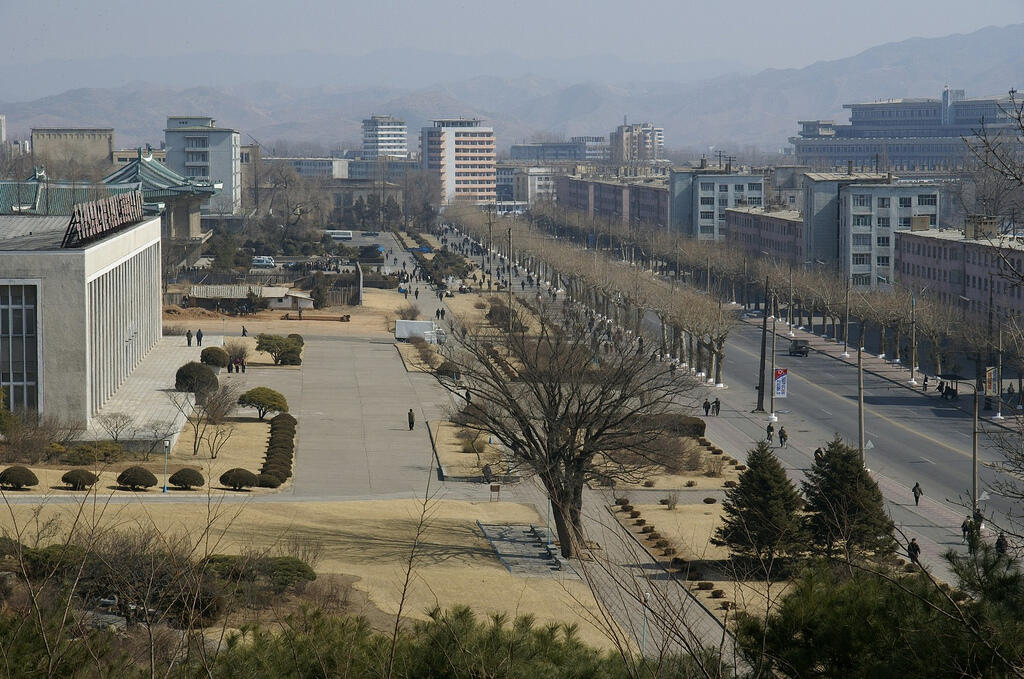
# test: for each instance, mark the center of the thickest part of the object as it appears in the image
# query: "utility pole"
(510, 280)
(846, 323)
(707, 288)
(791, 333)
(999, 373)
(974, 454)
(490, 247)
(773, 417)
(764, 348)
(913, 339)
(860, 404)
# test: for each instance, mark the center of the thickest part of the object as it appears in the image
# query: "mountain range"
(699, 104)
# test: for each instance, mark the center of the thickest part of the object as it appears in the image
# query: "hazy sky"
(772, 33)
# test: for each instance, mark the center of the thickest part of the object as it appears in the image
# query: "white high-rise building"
(196, 148)
(384, 137)
(460, 151)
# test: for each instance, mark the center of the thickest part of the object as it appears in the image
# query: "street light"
(643, 626)
(846, 324)
(167, 449)
(773, 417)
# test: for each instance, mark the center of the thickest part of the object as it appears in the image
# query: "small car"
(799, 347)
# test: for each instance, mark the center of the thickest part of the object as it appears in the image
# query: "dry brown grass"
(414, 363)
(450, 448)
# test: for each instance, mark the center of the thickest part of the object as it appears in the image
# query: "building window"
(723, 188)
(19, 358)
(883, 222)
(861, 200)
(707, 215)
(707, 186)
(905, 201)
(927, 199)
(862, 220)
(883, 203)
(753, 187)
(882, 241)
(932, 220)
(861, 259)
(738, 188)
(862, 240)
(708, 201)
(882, 260)
(861, 279)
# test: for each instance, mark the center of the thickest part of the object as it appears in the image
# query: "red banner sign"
(95, 218)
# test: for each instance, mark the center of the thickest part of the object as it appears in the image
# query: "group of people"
(783, 436)
(947, 390)
(198, 336)
(712, 407)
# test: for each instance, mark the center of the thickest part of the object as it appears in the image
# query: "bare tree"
(155, 432)
(115, 424)
(562, 409)
(217, 435)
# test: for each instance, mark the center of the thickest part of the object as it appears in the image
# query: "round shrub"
(640, 522)
(717, 593)
(647, 529)
(297, 338)
(634, 514)
(669, 551)
(79, 479)
(741, 467)
(648, 484)
(283, 472)
(729, 484)
(627, 508)
(691, 483)
(196, 378)
(661, 544)
(291, 356)
(214, 356)
(621, 501)
(717, 451)
(733, 463)
(728, 606)
(135, 478)
(710, 500)
(238, 478)
(18, 477)
(283, 417)
(680, 562)
(654, 536)
(268, 481)
(187, 479)
(705, 586)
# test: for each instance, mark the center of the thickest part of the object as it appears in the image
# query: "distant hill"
(727, 110)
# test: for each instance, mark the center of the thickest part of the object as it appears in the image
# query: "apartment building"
(460, 152)
(870, 216)
(314, 168)
(636, 143)
(84, 146)
(633, 200)
(964, 269)
(533, 185)
(700, 197)
(384, 136)
(197, 148)
(758, 232)
(821, 210)
(578, 149)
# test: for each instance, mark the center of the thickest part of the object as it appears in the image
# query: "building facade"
(636, 143)
(700, 197)
(870, 216)
(757, 231)
(963, 272)
(80, 304)
(637, 200)
(197, 148)
(86, 146)
(460, 152)
(595, 149)
(384, 137)
(821, 211)
(533, 185)
(902, 134)
(314, 168)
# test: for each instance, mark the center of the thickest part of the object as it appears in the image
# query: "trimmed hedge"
(214, 356)
(187, 479)
(135, 478)
(238, 478)
(18, 477)
(268, 481)
(196, 378)
(79, 479)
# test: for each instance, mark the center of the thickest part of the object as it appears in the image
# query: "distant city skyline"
(783, 34)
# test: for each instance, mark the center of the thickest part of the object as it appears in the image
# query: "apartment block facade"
(384, 136)
(870, 216)
(756, 232)
(197, 148)
(699, 199)
(533, 185)
(636, 143)
(460, 152)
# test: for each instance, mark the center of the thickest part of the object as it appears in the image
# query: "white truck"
(406, 329)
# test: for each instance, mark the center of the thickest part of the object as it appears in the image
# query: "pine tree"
(760, 514)
(845, 506)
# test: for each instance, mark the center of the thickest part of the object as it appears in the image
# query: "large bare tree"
(563, 408)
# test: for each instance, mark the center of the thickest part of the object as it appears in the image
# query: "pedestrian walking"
(924, 385)
(437, 314)
(716, 407)
(769, 432)
(918, 492)
(241, 363)
(245, 333)
(412, 419)
(199, 337)
(819, 454)
(783, 437)
(707, 407)
(914, 551)
(405, 291)
(188, 337)
(442, 313)
(965, 528)
(416, 294)
(1001, 544)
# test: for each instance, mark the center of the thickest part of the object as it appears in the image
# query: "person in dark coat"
(1001, 544)
(716, 407)
(707, 407)
(769, 432)
(188, 337)
(245, 333)
(918, 492)
(914, 550)
(199, 337)
(412, 419)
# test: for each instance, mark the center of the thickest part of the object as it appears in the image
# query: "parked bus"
(263, 262)
(339, 235)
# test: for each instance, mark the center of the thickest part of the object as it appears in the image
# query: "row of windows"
(865, 259)
(863, 240)
(724, 188)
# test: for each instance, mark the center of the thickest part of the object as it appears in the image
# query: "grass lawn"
(457, 463)
(369, 541)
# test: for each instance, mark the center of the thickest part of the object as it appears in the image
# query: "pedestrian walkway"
(144, 395)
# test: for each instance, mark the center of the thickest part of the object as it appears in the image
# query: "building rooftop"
(41, 196)
(846, 176)
(157, 181)
(792, 215)
(21, 232)
(1003, 241)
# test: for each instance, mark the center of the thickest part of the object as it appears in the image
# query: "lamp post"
(167, 449)
(999, 373)
(913, 339)
(643, 626)
(773, 417)
(790, 309)
(846, 323)
(860, 404)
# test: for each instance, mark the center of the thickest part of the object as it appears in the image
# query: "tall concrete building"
(80, 304)
(698, 199)
(197, 148)
(902, 134)
(3, 129)
(460, 152)
(384, 137)
(84, 146)
(636, 143)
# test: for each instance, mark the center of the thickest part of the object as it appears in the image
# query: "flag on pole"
(781, 382)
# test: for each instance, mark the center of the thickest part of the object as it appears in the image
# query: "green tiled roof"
(44, 197)
(158, 181)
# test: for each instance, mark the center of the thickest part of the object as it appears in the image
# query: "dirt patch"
(688, 528)
(452, 451)
(371, 541)
(411, 358)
